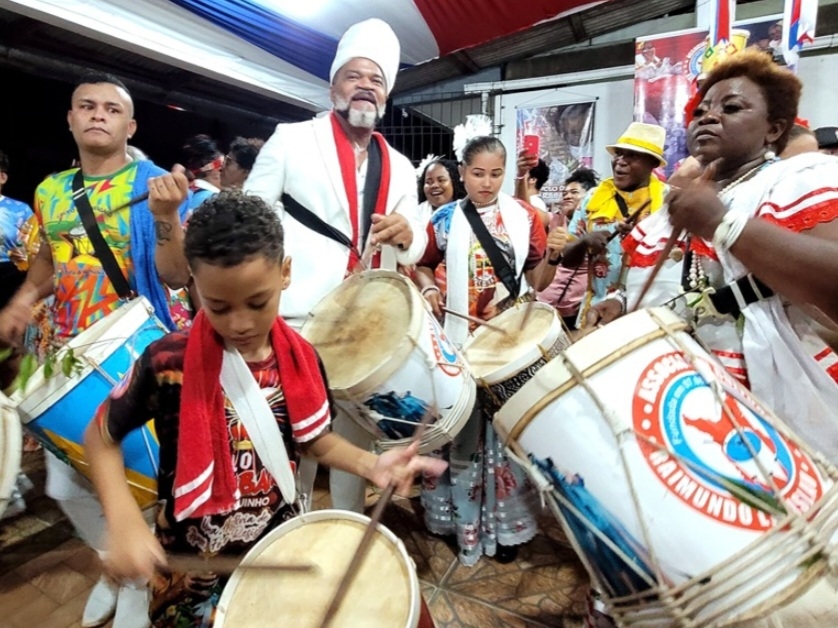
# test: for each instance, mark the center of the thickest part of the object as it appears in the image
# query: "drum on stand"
(11, 445)
(388, 360)
(689, 503)
(503, 361)
(57, 409)
(384, 593)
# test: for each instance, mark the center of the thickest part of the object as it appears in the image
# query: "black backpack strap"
(371, 189)
(312, 221)
(100, 247)
(621, 203)
(500, 264)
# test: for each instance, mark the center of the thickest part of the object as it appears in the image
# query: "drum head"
(361, 325)
(11, 442)
(384, 593)
(490, 351)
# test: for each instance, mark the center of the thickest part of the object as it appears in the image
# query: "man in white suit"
(343, 191)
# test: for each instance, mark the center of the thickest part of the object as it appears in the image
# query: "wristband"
(729, 230)
(427, 289)
(555, 263)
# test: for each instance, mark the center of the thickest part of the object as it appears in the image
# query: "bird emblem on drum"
(704, 439)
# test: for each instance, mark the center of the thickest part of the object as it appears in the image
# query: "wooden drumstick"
(631, 219)
(664, 254)
(225, 565)
(366, 540)
(134, 201)
(474, 319)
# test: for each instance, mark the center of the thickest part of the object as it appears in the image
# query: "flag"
(722, 22)
(799, 17)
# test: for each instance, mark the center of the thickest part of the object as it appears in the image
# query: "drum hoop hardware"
(589, 371)
(95, 366)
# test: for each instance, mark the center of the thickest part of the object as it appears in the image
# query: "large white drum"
(11, 444)
(687, 500)
(388, 361)
(384, 593)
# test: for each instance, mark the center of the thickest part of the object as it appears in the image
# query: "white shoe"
(132, 607)
(101, 604)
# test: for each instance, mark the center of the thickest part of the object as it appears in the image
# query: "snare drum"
(57, 409)
(687, 500)
(388, 360)
(384, 593)
(502, 362)
(11, 443)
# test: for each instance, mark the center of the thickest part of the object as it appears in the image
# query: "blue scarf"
(144, 242)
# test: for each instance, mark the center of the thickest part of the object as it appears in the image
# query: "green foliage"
(61, 359)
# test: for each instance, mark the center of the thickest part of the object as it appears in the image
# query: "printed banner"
(666, 68)
(566, 135)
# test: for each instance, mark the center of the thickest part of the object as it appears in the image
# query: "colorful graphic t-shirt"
(13, 217)
(484, 287)
(152, 390)
(83, 292)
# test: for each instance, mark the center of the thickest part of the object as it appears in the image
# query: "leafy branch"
(59, 358)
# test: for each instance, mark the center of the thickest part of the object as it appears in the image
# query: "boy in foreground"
(216, 496)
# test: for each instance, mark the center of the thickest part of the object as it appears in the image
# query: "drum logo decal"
(688, 435)
(444, 353)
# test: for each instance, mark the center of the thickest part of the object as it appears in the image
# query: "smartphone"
(532, 144)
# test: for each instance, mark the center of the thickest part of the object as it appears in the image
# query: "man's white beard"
(359, 119)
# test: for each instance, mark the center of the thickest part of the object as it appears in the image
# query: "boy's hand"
(133, 552)
(400, 466)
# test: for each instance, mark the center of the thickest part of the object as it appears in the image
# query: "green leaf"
(5, 353)
(28, 366)
(753, 497)
(68, 363)
(49, 368)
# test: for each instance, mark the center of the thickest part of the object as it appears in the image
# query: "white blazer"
(301, 159)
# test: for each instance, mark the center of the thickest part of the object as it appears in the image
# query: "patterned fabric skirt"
(483, 498)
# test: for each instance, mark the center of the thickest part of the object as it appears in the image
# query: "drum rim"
(415, 605)
(511, 428)
(401, 349)
(526, 359)
(11, 445)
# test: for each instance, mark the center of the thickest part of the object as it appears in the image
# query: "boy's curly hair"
(231, 227)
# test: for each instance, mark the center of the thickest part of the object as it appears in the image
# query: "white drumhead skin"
(585, 353)
(11, 442)
(384, 593)
(494, 356)
(360, 325)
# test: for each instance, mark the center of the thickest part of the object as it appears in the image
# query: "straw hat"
(640, 137)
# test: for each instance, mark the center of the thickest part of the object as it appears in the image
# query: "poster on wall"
(566, 135)
(665, 72)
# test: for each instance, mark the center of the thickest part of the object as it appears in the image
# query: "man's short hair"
(93, 77)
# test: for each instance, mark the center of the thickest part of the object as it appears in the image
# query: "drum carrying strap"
(258, 419)
(503, 270)
(100, 247)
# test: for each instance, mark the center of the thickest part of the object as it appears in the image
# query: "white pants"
(348, 491)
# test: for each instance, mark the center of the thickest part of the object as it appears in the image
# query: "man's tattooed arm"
(162, 231)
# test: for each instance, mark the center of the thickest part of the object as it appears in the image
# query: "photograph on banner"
(666, 68)
(566, 135)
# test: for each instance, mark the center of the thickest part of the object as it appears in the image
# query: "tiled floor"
(46, 573)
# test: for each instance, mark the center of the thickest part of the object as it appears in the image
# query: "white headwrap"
(371, 39)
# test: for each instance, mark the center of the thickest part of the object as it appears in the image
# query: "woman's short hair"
(780, 87)
(244, 151)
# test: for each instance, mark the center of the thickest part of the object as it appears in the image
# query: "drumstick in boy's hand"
(366, 540)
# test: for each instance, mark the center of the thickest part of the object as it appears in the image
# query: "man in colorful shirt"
(611, 205)
(146, 240)
(13, 217)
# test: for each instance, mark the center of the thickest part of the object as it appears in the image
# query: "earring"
(769, 155)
